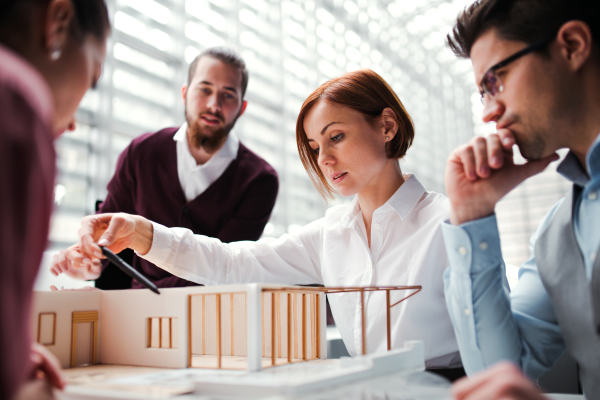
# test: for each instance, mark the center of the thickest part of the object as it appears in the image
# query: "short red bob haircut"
(366, 92)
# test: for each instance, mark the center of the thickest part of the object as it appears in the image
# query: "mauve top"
(27, 168)
(235, 207)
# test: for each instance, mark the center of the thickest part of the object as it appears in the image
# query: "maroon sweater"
(27, 167)
(235, 207)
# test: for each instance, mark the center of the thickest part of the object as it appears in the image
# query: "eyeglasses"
(491, 83)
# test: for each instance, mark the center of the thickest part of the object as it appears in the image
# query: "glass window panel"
(136, 28)
(294, 47)
(202, 35)
(295, 29)
(91, 100)
(295, 67)
(251, 20)
(142, 87)
(139, 114)
(143, 61)
(64, 227)
(294, 10)
(72, 158)
(258, 5)
(252, 41)
(261, 66)
(152, 9)
(325, 33)
(325, 17)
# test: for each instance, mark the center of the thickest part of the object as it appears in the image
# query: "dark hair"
(521, 20)
(366, 92)
(90, 16)
(227, 56)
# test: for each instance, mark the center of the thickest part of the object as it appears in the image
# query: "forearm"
(208, 261)
(477, 296)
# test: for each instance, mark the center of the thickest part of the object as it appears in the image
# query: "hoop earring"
(56, 51)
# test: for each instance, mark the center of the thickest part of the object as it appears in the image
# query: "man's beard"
(534, 147)
(206, 138)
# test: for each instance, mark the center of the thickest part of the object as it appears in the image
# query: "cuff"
(162, 242)
(474, 245)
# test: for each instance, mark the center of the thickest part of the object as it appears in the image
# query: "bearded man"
(199, 176)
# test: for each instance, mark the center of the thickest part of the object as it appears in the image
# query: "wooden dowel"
(232, 333)
(203, 324)
(278, 324)
(159, 332)
(218, 331)
(264, 325)
(363, 325)
(388, 319)
(303, 326)
(190, 331)
(318, 326)
(289, 327)
(313, 326)
(273, 328)
(95, 342)
(295, 320)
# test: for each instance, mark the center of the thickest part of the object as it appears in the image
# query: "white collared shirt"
(195, 179)
(407, 248)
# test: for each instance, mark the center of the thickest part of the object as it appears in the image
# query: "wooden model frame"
(39, 330)
(82, 317)
(260, 325)
(312, 320)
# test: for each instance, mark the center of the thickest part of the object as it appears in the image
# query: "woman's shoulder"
(434, 204)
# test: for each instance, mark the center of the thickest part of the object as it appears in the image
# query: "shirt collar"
(572, 169)
(402, 202)
(229, 149)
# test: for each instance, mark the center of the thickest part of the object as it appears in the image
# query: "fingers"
(480, 150)
(45, 362)
(120, 225)
(507, 138)
(92, 227)
(495, 153)
(482, 155)
(467, 158)
(60, 263)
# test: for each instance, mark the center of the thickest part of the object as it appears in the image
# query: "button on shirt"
(520, 326)
(406, 249)
(195, 179)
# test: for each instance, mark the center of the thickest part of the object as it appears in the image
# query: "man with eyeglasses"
(537, 64)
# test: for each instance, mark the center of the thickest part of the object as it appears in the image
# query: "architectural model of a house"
(248, 327)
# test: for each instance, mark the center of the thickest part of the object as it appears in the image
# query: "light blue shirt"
(490, 322)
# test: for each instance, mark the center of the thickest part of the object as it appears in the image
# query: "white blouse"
(407, 248)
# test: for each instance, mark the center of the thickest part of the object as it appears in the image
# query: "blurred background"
(290, 48)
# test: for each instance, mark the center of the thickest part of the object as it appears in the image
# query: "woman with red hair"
(351, 133)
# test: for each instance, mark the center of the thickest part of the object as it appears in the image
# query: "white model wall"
(63, 304)
(124, 328)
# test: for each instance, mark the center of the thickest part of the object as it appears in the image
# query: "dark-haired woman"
(51, 52)
(351, 132)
